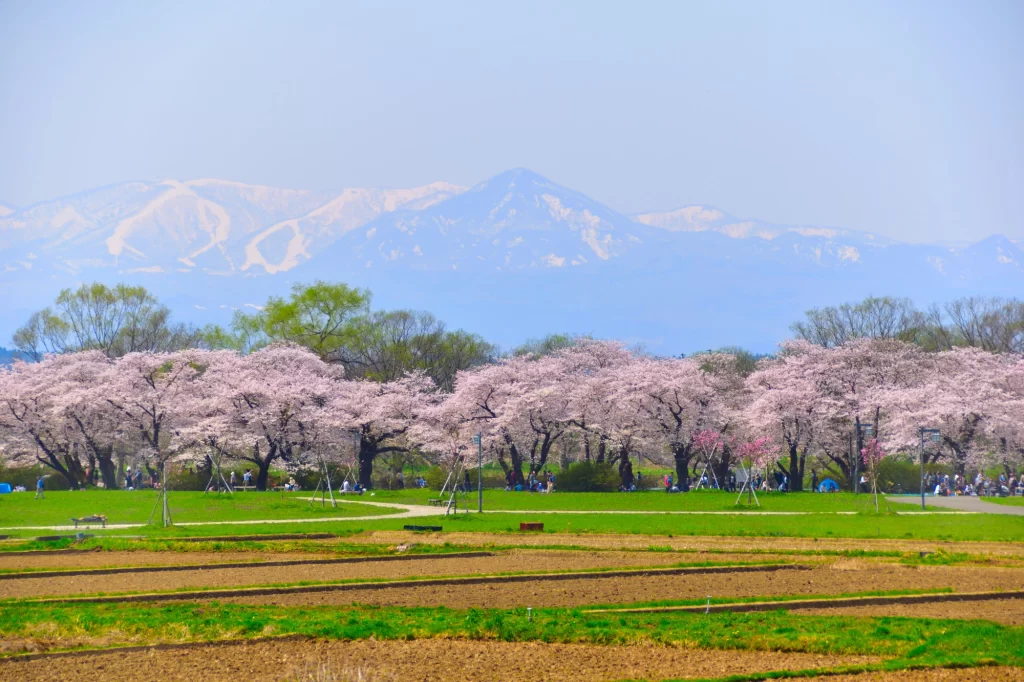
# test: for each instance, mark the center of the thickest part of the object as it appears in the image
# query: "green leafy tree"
(115, 320)
(319, 316)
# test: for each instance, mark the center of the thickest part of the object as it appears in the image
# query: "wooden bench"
(436, 502)
(91, 519)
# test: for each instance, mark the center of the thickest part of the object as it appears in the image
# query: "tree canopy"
(113, 320)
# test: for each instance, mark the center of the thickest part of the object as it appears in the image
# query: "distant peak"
(519, 176)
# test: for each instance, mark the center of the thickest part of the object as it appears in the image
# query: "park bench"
(436, 502)
(100, 518)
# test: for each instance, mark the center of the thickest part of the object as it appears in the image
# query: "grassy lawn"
(905, 641)
(1008, 501)
(20, 509)
(699, 500)
(58, 507)
(988, 527)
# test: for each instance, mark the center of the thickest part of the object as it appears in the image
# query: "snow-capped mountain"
(512, 257)
(212, 226)
(514, 221)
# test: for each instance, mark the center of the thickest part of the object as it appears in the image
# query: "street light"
(934, 436)
(862, 430)
(479, 472)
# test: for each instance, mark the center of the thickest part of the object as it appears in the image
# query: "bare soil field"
(837, 578)
(689, 542)
(510, 560)
(145, 558)
(426, 660)
(1005, 611)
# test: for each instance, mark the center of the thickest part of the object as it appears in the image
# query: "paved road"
(965, 503)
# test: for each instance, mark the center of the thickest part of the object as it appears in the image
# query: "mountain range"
(514, 257)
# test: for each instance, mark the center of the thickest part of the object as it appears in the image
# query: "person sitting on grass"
(346, 487)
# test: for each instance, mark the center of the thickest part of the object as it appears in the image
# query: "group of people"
(945, 485)
(350, 489)
(232, 482)
(545, 483)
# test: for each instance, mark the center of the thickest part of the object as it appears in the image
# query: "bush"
(896, 474)
(589, 477)
(27, 476)
(436, 476)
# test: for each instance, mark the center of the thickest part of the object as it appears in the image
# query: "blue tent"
(5, 487)
(828, 486)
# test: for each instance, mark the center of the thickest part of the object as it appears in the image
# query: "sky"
(902, 118)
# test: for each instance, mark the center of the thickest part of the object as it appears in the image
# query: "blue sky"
(905, 118)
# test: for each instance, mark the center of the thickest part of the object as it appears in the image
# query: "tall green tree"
(319, 316)
(115, 320)
(335, 321)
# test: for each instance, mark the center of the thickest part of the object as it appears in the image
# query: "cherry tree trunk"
(108, 472)
(367, 453)
(796, 469)
(262, 474)
(626, 471)
(682, 460)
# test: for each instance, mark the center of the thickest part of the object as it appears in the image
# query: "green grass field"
(908, 642)
(698, 500)
(58, 507)
(1008, 501)
(818, 516)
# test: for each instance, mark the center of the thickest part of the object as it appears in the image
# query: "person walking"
(247, 479)
(232, 481)
(814, 480)
(40, 486)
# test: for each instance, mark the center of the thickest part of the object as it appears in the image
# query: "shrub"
(436, 476)
(585, 477)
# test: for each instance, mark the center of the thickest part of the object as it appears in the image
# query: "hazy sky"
(906, 118)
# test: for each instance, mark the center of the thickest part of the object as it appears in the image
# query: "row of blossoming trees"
(283, 406)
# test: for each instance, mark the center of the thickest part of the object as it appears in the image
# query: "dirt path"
(695, 542)
(842, 577)
(1006, 611)
(426, 660)
(511, 560)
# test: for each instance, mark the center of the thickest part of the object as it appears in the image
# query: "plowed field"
(1006, 611)
(512, 560)
(728, 543)
(426, 660)
(845, 577)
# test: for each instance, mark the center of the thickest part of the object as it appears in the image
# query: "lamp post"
(862, 431)
(479, 472)
(933, 436)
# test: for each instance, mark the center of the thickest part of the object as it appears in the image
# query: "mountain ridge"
(470, 254)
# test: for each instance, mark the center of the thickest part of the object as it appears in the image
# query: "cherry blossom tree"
(52, 414)
(155, 395)
(273, 405)
(381, 414)
(755, 455)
